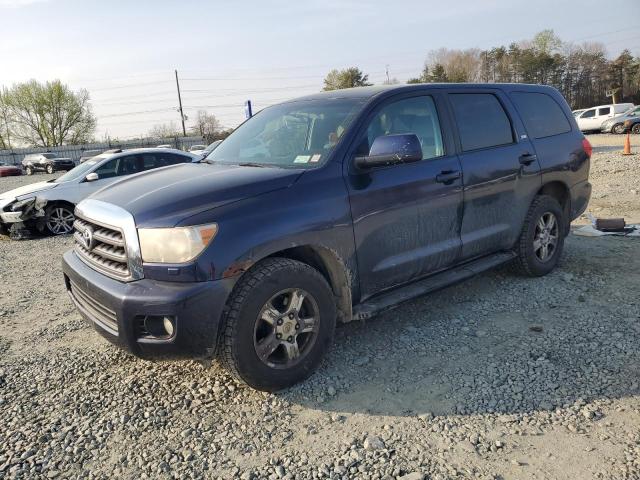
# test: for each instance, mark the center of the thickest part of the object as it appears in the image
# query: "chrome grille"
(101, 247)
(98, 313)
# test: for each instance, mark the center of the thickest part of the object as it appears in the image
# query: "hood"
(165, 196)
(28, 189)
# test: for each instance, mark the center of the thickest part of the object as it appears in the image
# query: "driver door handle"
(448, 176)
(527, 158)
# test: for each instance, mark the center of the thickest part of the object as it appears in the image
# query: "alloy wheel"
(60, 221)
(618, 128)
(545, 239)
(286, 328)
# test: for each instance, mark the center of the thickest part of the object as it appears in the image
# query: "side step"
(388, 300)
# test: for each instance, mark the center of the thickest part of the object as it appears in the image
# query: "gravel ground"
(501, 377)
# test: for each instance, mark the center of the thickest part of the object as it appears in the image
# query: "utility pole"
(184, 130)
(386, 68)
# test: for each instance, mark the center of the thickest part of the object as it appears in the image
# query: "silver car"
(616, 124)
(49, 206)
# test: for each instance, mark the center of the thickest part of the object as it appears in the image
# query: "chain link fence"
(16, 155)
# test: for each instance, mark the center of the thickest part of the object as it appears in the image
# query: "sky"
(125, 52)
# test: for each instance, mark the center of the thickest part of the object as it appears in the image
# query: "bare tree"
(164, 130)
(47, 114)
(206, 124)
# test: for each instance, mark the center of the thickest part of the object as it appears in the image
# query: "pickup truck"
(324, 209)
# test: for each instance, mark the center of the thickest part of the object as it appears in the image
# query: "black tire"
(255, 291)
(59, 219)
(618, 129)
(49, 169)
(635, 128)
(530, 260)
(28, 170)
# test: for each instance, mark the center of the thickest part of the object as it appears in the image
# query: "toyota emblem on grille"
(87, 238)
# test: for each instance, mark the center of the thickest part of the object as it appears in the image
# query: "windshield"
(79, 171)
(291, 135)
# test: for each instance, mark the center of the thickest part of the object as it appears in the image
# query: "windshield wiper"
(252, 164)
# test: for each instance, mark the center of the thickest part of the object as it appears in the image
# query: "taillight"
(586, 146)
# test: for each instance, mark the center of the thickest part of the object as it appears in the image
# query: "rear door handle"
(448, 176)
(527, 158)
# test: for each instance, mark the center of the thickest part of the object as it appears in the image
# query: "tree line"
(582, 73)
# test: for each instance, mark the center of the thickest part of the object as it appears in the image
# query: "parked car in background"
(48, 206)
(360, 199)
(591, 120)
(210, 148)
(197, 149)
(7, 170)
(87, 154)
(632, 125)
(165, 145)
(46, 162)
(578, 112)
(616, 124)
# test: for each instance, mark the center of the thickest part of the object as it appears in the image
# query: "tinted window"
(604, 111)
(588, 114)
(415, 115)
(130, 164)
(157, 160)
(541, 114)
(482, 122)
(108, 169)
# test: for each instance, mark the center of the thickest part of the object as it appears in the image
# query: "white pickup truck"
(593, 118)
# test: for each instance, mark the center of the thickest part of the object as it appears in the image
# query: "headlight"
(175, 245)
(21, 204)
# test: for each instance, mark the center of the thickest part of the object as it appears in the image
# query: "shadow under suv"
(327, 208)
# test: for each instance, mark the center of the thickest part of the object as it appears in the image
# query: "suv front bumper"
(117, 310)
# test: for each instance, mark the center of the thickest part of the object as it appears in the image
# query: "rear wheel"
(618, 129)
(49, 169)
(279, 324)
(59, 219)
(542, 238)
(636, 128)
(28, 170)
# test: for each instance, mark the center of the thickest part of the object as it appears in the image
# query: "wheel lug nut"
(278, 336)
(291, 315)
(289, 339)
(279, 321)
(297, 327)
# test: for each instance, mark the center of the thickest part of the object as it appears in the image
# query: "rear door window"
(604, 111)
(541, 114)
(482, 121)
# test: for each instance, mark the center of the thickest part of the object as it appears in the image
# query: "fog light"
(159, 327)
(168, 325)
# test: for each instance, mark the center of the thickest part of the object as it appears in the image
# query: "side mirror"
(391, 150)
(91, 177)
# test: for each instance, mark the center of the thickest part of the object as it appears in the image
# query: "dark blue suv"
(327, 208)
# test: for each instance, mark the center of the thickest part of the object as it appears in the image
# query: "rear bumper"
(580, 196)
(117, 310)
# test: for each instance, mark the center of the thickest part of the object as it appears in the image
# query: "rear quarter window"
(541, 114)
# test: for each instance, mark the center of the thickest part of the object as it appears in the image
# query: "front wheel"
(636, 128)
(28, 170)
(542, 239)
(279, 324)
(59, 219)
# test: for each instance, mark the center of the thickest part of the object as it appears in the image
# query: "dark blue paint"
(383, 227)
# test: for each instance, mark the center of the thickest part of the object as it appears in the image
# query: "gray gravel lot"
(499, 377)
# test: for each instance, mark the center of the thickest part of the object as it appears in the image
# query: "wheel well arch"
(331, 267)
(559, 191)
(65, 203)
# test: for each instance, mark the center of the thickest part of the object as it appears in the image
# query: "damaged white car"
(48, 206)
